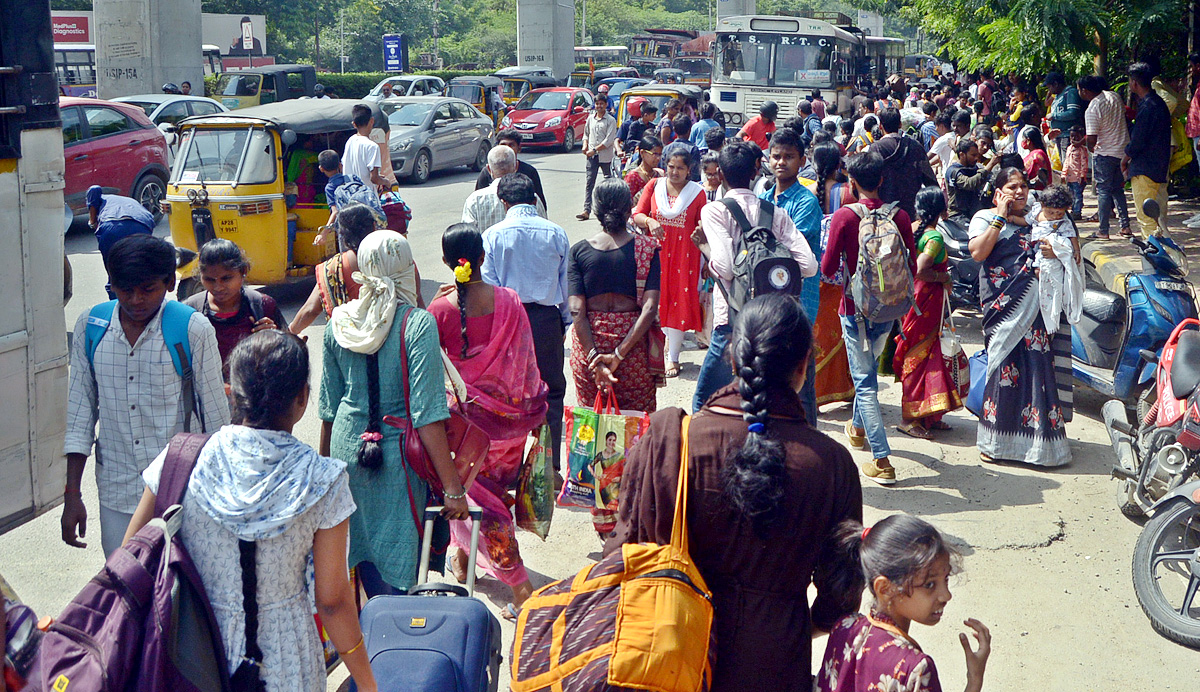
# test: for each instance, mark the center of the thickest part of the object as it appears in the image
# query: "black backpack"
(761, 264)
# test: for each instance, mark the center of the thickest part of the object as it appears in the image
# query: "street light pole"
(583, 24)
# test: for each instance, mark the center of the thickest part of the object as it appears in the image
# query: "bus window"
(744, 62)
(75, 67)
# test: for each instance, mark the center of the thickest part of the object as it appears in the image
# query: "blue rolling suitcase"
(438, 638)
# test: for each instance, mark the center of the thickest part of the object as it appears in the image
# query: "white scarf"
(682, 202)
(386, 275)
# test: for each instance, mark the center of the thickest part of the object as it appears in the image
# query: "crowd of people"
(673, 196)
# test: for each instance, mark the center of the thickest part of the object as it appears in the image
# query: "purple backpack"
(144, 622)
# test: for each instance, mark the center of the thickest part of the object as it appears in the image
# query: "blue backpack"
(175, 320)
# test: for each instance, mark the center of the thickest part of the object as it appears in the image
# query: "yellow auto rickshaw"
(251, 176)
(516, 86)
(257, 86)
(485, 93)
(690, 96)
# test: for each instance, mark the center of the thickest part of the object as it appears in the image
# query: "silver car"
(431, 133)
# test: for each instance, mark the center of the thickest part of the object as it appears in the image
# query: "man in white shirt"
(599, 140)
(738, 161)
(941, 154)
(1107, 135)
(362, 157)
(483, 207)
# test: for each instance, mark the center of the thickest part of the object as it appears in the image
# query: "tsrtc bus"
(75, 64)
(781, 59)
(601, 56)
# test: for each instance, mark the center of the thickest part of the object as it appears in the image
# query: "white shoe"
(1194, 218)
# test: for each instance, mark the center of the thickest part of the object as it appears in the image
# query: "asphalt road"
(1046, 554)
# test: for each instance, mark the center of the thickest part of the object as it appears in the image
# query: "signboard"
(395, 53)
(72, 28)
(236, 34)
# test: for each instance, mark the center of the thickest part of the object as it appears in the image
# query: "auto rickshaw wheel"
(188, 288)
(422, 167)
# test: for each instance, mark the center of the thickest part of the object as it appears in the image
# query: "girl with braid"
(766, 494)
(485, 332)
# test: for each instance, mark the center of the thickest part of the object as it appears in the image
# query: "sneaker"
(883, 475)
(856, 441)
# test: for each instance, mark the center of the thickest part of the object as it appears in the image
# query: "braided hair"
(770, 341)
(267, 371)
(931, 204)
(462, 246)
(370, 451)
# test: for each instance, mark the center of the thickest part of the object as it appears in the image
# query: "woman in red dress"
(669, 210)
(650, 152)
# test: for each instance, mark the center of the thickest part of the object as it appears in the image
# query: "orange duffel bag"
(640, 619)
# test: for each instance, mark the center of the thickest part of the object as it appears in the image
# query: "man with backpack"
(906, 164)
(811, 124)
(873, 242)
(144, 368)
(726, 234)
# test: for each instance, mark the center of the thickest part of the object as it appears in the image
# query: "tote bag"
(952, 353)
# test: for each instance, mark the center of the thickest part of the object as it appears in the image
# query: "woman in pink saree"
(485, 332)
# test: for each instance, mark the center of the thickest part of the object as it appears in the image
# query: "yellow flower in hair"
(462, 273)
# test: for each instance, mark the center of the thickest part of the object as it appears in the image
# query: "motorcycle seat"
(1185, 368)
(1103, 306)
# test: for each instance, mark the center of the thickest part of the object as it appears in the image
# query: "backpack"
(999, 103)
(882, 285)
(253, 298)
(175, 320)
(144, 622)
(761, 264)
(355, 191)
(812, 125)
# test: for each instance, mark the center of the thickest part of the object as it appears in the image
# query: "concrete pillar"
(143, 44)
(736, 8)
(546, 35)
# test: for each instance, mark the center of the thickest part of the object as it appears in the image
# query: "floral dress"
(869, 654)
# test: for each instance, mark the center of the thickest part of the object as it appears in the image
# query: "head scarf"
(386, 274)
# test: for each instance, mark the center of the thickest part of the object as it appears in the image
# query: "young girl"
(649, 153)
(1075, 169)
(906, 564)
(1037, 161)
(235, 311)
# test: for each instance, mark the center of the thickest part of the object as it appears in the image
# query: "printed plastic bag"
(579, 489)
(535, 487)
(617, 433)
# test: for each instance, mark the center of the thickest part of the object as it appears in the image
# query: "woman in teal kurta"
(383, 534)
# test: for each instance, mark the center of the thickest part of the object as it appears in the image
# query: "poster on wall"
(236, 34)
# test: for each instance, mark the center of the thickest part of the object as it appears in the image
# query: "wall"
(546, 34)
(143, 44)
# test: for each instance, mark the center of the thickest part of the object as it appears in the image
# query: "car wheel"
(481, 157)
(188, 288)
(150, 190)
(569, 139)
(422, 167)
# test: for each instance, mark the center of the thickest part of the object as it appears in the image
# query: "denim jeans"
(1077, 194)
(864, 369)
(808, 392)
(373, 582)
(716, 372)
(1110, 190)
(594, 164)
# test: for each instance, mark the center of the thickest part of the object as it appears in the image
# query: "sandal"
(1094, 218)
(1097, 236)
(672, 370)
(1126, 232)
(915, 430)
(457, 568)
(938, 425)
(510, 612)
(856, 441)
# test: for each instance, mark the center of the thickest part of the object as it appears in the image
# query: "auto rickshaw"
(659, 94)
(517, 86)
(485, 93)
(584, 79)
(669, 75)
(256, 86)
(251, 176)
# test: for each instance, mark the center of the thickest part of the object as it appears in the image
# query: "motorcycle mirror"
(1151, 209)
(1149, 356)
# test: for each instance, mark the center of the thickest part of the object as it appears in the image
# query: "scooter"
(1115, 327)
(964, 270)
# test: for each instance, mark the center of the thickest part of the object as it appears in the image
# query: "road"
(1046, 555)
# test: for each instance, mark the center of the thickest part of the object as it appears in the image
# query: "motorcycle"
(964, 270)
(1166, 566)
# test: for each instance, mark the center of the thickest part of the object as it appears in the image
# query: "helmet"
(634, 106)
(603, 89)
(319, 88)
(171, 88)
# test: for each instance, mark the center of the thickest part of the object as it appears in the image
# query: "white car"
(409, 85)
(171, 108)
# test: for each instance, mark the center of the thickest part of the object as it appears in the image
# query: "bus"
(75, 64)
(212, 59)
(782, 59)
(885, 56)
(657, 48)
(601, 56)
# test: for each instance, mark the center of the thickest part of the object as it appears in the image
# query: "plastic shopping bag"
(535, 487)
(617, 432)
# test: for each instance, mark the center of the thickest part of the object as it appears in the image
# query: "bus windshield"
(774, 60)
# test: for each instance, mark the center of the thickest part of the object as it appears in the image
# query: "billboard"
(236, 34)
(395, 53)
(74, 27)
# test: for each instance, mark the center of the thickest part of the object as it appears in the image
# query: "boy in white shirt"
(362, 157)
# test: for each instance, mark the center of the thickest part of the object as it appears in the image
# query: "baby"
(1051, 217)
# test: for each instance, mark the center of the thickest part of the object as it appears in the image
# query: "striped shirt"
(135, 397)
(1105, 118)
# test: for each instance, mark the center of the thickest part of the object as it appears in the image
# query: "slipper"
(1126, 232)
(938, 425)
(856, 441)
(1092, 219)
(510, 612)
(1097, 236)
(672, 370)
(915, 430)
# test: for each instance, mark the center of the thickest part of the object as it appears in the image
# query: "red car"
(554, 116)
(113, 145)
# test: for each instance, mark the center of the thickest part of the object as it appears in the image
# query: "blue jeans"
(808, 393)
(716, 372)
(1077, 193)
(373, 582)
(1110, 191)
(864, 369)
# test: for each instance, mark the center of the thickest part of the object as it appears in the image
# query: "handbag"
(953, 355)
(640, 618)
(979, 363)
(468, 442)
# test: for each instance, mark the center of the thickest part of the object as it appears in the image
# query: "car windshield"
(237, 84)
(147, 106)
(617, 88)
(245, 156)
(399, 87)
(773, 59)
(695, 67)
(406, 114)
(544, 101)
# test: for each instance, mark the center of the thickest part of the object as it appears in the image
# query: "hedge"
(359, 84)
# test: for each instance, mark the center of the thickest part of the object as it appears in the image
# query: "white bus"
(602, 56)
(781, 59)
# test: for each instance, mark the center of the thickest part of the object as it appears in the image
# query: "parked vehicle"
(432, 133)
(171, 108)
(113, 145)
(409, 85)
(254, 86)
(658, 94)
(964, 270)
(234, 176)
(551, 117)
(668, 75)
(516, 86)
(1166, 565)
(484, 93)
(1124, 314)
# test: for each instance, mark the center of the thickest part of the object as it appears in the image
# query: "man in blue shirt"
(1066, 111)
(114, 217)
(789, 195)
(927, 132)
(528, 254)
(707, 122)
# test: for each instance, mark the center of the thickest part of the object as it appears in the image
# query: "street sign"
(395, 53)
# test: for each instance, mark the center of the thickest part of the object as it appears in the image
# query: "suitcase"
(438, 638)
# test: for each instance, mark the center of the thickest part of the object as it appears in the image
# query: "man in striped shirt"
(1107, 136)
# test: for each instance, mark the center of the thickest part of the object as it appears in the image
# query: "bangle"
(451, 496)
(617, 353)
(356, 647)
(591, 355)
(997, 219)
(76, 492)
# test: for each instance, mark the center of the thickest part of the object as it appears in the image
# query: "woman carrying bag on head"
(361, 382)
(765, 494)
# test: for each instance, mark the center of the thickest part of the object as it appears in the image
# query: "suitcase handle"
(431, 513)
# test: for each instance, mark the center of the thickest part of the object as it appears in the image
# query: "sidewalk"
(1118, 256)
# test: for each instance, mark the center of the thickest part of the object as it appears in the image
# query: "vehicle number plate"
(1171, 286)
(526, 135)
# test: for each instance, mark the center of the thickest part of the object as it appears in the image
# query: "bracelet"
(458, 496)
(77, 492)
(617, 353)
(591, 355)
(356, 647)
(997, 220)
